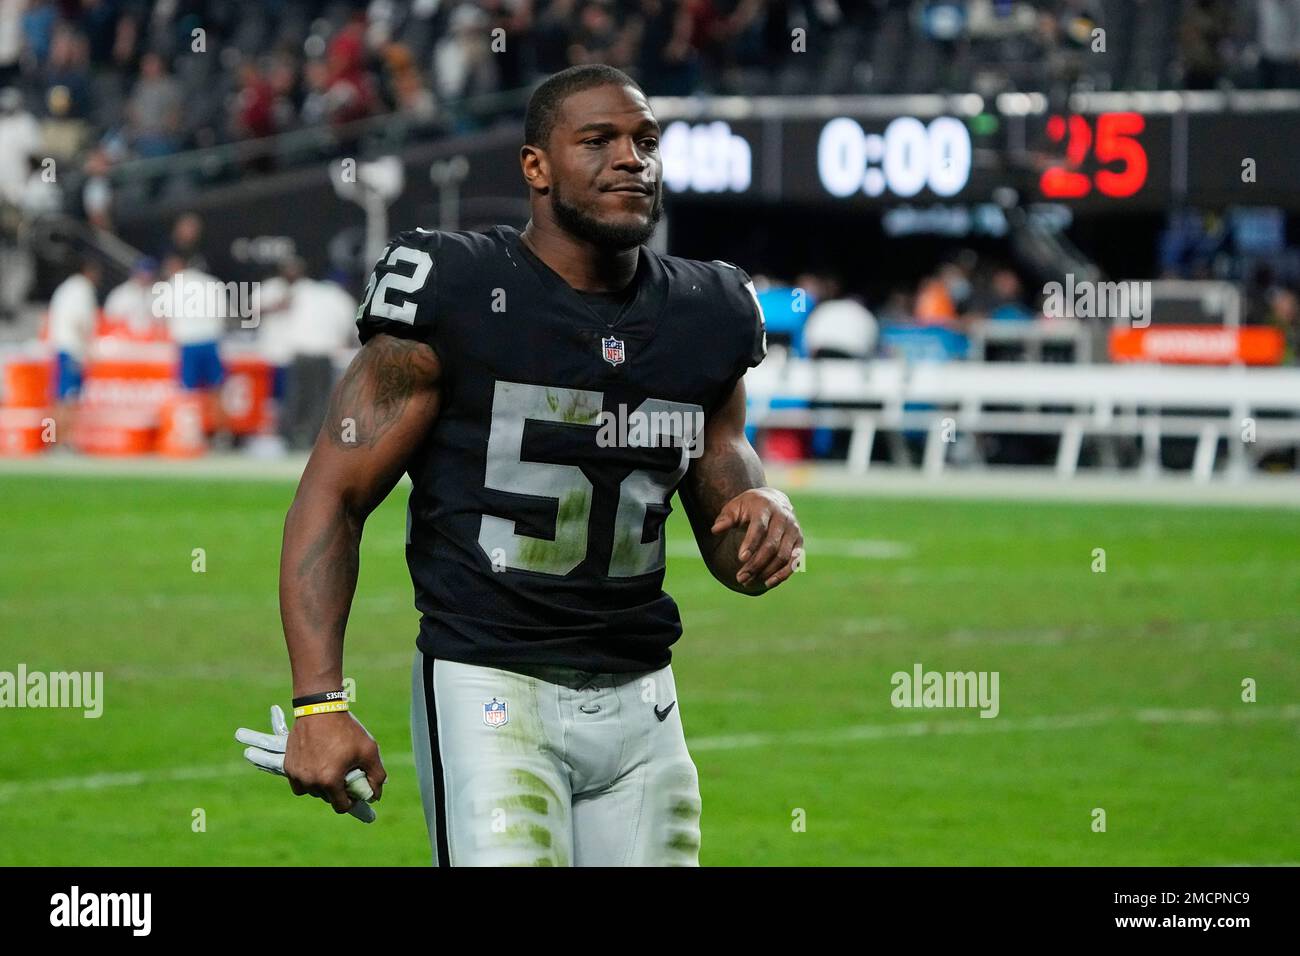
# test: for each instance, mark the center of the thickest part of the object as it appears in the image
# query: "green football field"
(1119, 691)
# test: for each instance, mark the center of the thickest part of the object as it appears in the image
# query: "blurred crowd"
(97, 82)
(297, 325)
(817, 316)
(90, 84)
(145, 78)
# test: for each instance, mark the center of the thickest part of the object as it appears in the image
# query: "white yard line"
(212, 467)
(974, 724)
(971, 724)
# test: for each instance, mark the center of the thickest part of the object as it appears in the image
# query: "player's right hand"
(322, 750)
(312, 761)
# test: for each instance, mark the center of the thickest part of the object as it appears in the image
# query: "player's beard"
(621, 235)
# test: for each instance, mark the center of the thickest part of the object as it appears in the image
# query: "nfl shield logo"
(613, 350)
(494, 713)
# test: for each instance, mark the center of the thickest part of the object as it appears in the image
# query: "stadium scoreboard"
(1155, 155)
(923, 163)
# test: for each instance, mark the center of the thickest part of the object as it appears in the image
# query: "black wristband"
(320, 698)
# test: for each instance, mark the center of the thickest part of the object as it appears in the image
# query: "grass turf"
(1118, 690)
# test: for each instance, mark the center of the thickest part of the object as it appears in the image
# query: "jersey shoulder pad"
(401, 297)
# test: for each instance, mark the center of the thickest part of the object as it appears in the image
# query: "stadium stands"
(118, 119)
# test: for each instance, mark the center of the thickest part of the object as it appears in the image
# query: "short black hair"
(547, 100)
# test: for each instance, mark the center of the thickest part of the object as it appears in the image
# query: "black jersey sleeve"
(757, 326)
(401, 297)
(753, 327)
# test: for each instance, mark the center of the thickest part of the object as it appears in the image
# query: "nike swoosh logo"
(661, 714)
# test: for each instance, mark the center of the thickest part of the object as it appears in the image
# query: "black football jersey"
(535, 528)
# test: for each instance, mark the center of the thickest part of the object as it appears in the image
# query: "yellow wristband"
(326, 707)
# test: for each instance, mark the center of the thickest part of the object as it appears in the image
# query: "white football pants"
(551, 766)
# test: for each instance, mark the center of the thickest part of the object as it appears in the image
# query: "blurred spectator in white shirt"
(191, 302)
(42, 194)
(322, 318)
(20, 142)
(840, 328)
(195, 307)
(272, 333)
(320, 324)
(73, 310)
(131, 303)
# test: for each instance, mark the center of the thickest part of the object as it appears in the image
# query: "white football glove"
(266, 752)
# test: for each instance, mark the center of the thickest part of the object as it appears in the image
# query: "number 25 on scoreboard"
(1115, 141)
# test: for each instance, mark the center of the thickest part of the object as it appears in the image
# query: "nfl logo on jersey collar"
(612, 349)
(494, 713)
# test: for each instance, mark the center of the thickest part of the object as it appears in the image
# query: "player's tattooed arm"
(747, 532)
(379, 413)
(376, 389)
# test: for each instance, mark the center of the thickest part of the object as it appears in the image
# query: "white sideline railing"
(1071, 401)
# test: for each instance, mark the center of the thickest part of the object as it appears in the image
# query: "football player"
(547, 391)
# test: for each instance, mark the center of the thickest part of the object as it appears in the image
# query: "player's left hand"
(266, 752)
(773, 540)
